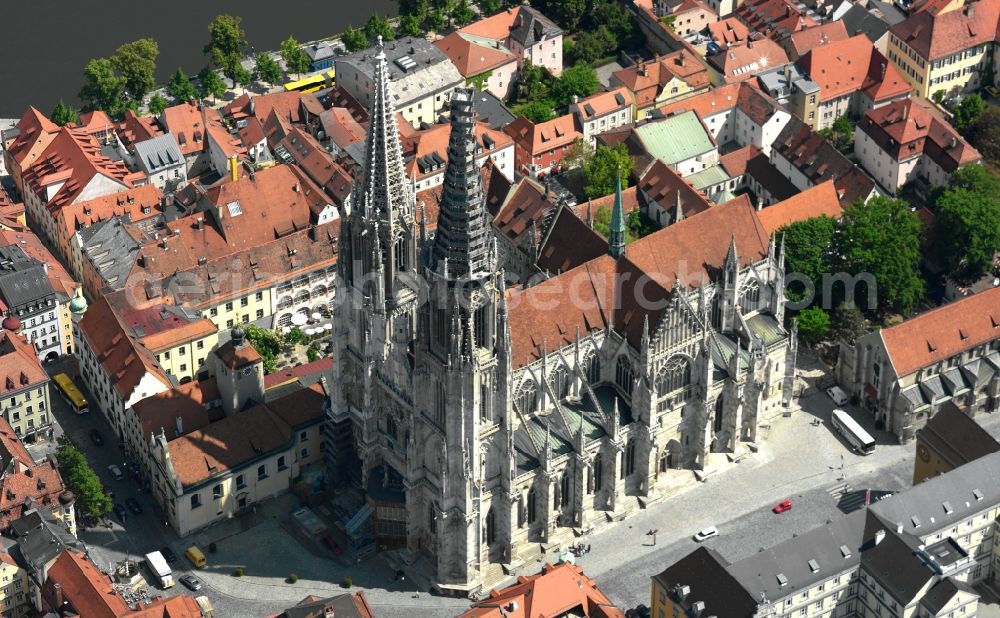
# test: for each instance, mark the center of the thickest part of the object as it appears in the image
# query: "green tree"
(938, 96)
(807, 251)
(968, 112)
(882, 238)
(64, 114)
(967, 225)
(616, 18)
(535, 111)
(416, 8)
(379, 26)
(226, 44)
(267, 343)
(986, 134)
(580, 81)
(180, 88)
(296, 59)
(103, 89)
(354, 39)
(566, 13)
(847, 323)
(157, 103)
(975, 178)
(434, 20)
(814, 324)
(592, 45)
(267, 68)
(605, 168)
(243, 77)
(211, 84)
(489, 7)
(579, 154)
(136, 63)
(82, 480)
(479, 81)
(638, 225)
(409, 25)
(462, 13)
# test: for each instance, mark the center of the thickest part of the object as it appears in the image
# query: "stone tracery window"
(673, 376)
(750, 296)
(527, 396)
(624, 375)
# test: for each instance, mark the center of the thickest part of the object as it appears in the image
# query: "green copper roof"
(616, 235)
(708, 177)
(675, 139)
(78, 304)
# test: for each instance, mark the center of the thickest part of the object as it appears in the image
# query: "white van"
(838, 395)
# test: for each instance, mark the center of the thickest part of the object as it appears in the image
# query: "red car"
(782, 506)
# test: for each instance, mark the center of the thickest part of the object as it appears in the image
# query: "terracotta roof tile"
(526, 203)
(252, 134)
(19, 365)
(137, 128)
(138, 204)
(849, 65)
(420, 148)
(776, 19)
(735, 162)
(661, 185)
(472, 58)
(936, 36)
(818, 160)
(187, 121)
(912, 128)
(742, 62)
(180, 606)
(341, 127)
(805, 40)
(602, 103)
(35, 132)
(544, 136)
(494, 27)
(291, 374)
(88, 591)
(943, 332)
(818, 201)
(188, 402)
(646, 80)
(285, 104)
(557, 591)
(728, 31)
(569, 243)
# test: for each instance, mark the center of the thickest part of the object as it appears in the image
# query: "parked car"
(133, 505)
(96, 437)
(781, 507)
(706, 534)
(168, 554)
(121, 512)
(192, 582)
(116, 472)
(838, 395)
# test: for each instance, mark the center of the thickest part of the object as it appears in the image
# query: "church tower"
(459, 377)
(377, 299)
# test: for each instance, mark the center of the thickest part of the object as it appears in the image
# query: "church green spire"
(616, 237)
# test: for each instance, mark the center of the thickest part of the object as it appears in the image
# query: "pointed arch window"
(674, 376)
(560, 382)
(527, 397)
(491, 528)
(598, 472)
(531, 506)
(624, 375)
(592, 365)
(432, 518)
(718, 414)
(564, 490)
(750, 296)
(629, 455)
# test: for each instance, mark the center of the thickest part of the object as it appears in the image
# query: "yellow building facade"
(14, 598)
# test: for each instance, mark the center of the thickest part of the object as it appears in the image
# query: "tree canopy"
(180, 87)
(157, 103)
(580, 81)
(136, 63)
(103, 89)
(295, 58)
(354, 39)
(536, 111)
(882, 238)
(967, 113)
(267, 69)
(814, 324)
(409, 25)
(807, 252)
(211, 84)
(462, 13)
(604, 169)
(227, 42)
(566, 13)
(64, 114)
(986, 134)
(267, 343)
(82, 480)
(378, 25)
(967, 224)
(847, 323)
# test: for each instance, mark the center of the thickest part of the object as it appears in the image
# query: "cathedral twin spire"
(616, 235)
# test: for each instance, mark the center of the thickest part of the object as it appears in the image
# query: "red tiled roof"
(935, 36)
(728, 31)
(544, 136)
(96, 122)
(181, 606)
(943, 332)
(19, 365)
(340, 126)
(603, 103)
(742, 62)
(665, 187)
(847, 66)
(569, 243)
(559, 590)
(187, 121)
(495, 27)
(435, 141)
(88, 591)
(285, 376)
(32, 245)
(735, 162)
(318, 165)
(647, 79)
(706, 104)
(35, 131)
(471, 58)
(776, 19)
(187, 403)
(630, 201)
(805, 40)
(818, 201)
(137, 128)
(25, 484)
(526, 203)
(913, 127)
(252, 134)
(285, 104)
(133, 202)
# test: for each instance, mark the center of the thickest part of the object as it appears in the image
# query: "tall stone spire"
(386, 193)
(616, 235)
(464, 237)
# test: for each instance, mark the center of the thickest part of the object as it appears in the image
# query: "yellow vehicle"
(313, 83)
(71, 393)
(195, 556)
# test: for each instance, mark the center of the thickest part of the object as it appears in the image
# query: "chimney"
(295, 187)
(200, 222)
(180, 426)
(680, 59)
(575, 99)
(883, 70)
(879, 536)
(906, 109)
(58, 593)
(954, 142)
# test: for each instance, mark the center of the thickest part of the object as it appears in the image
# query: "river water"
(44, 44)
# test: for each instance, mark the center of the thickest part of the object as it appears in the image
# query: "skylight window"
(234, 208)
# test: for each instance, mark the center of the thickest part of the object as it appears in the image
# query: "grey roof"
(858, 20)
(158, 153)
(23, 281)
(319, 51)
(956, 437)
(111, 249)
(704, 573)
(942, 593)
(968, 490)
(788, 562)
(896, 567)
(886, 11)
(492, 111)
(40, 539)
(780, 85)
(416, 69)
(531, 27)
(915, 396)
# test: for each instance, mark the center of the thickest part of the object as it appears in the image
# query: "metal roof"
(675, 139)
(158, 153)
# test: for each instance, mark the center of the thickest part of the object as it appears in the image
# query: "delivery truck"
(159, 567)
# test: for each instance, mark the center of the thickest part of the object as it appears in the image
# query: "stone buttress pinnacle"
(616, 235)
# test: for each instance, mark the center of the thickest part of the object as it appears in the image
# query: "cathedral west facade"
(486, 423)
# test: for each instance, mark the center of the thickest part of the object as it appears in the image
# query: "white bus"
(158, 565)
(854, 433)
